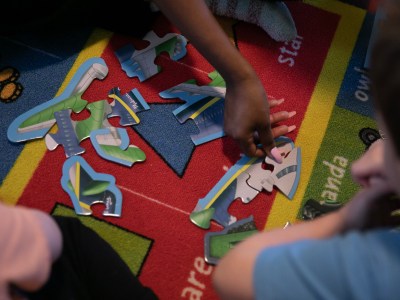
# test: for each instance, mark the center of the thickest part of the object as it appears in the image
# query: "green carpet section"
(331, 176)
(132, 248)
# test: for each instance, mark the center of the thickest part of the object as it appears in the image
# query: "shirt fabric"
(353, 266)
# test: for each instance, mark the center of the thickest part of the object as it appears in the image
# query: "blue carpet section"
(355, 92)
(160, 128)
(43, 65)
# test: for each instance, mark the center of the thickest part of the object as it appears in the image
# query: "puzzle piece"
(284, 176)
(234, 184)
(36, 122)
(113, 144)
(65, 136)
(230, 187)
(71, 133)
(140, 63)
(126, 106)
(204, 105)
(217, 244)
(86, 187)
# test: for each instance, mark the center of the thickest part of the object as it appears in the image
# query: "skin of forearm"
(320, 228)
(232, 277)
(196, 22)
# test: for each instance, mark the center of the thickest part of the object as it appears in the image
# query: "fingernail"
(276, 155)
(292, 113)
(291, 128)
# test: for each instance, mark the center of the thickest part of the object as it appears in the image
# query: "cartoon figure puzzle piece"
(36, 122)
(140, 63)
(127, 106)
(71, 133)
(113, 144)
(234, 184)
(284, 176)
(204, 105)
(86, 187)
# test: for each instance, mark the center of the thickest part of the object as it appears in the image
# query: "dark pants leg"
(90, 269)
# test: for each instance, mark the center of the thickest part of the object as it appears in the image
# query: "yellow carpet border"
(321, 105)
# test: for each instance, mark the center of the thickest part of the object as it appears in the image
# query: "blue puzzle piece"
(140, 63)
(65, 136)
(69, 130)
(86, 187)
(233, 185)
(204, 105)
(126, 106)
(113, 144)
(36, 122)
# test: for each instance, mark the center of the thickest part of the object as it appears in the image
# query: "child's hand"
(248, 120)
(280, 116)
(246, 113)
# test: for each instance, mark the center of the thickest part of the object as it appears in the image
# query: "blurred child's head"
(385, 76)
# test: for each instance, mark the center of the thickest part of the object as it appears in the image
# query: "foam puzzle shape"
(217, 244)
(204, 105)
(127, 106)
(36, 122)
(238, 183)
(87, 187)
(285, 176)
(140, 63)
(70, 133)
(113, 144)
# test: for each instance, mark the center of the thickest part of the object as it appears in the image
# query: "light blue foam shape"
(124, 145)
(70, 162)
(15, 136)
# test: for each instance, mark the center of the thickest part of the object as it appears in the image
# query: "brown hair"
(385, 70)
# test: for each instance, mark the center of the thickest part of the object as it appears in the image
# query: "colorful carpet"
(320, 75)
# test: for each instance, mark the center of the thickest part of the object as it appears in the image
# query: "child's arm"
(30, 242)
(246, 104)
(233, 277)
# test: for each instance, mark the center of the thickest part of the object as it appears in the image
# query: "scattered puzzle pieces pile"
(203, 104)
(79, 180)
(245, 180)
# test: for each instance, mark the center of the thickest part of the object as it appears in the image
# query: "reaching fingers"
(275, 102)
(263, 137)
(250, 148)
(268, 144)
(282, 130)
(281, 116)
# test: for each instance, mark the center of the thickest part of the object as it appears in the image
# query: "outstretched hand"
(248, 121)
